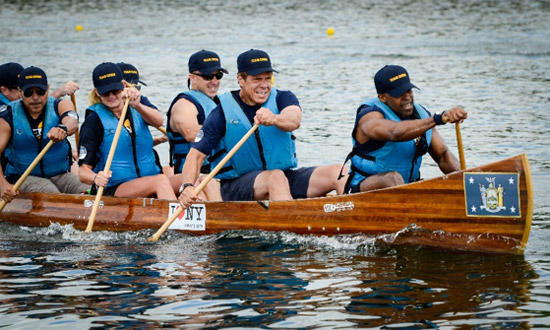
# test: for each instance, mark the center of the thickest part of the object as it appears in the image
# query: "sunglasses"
(114, 92)
(136, 86)
(30, 91)
(210, 76)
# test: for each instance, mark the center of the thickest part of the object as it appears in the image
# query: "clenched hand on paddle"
(110, 156)
(203, 184)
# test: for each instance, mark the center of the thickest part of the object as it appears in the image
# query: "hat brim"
(256, 71)
(41, 86)
(115, 86)
(400, 90)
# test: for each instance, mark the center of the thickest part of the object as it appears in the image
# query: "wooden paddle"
(76, 136)
(163, 130)
(203, 184)
(28, 171)
(99, 194)
(459, 145)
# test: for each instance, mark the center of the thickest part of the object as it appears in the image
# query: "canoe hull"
(430, 212)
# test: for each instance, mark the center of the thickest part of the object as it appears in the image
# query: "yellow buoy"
(78, 27)
(330, 31)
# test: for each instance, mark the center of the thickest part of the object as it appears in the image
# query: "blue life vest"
(24, 146)
(276, 148)
(402, 156)
(132, 159)
(179, 147)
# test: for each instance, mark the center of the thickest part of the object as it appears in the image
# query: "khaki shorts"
(67, 183)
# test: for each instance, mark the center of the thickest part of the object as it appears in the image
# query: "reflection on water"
(492, 57)
(247, 279)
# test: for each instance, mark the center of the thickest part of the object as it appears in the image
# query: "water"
(491, 57)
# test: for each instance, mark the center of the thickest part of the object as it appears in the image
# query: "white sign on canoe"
(194, 218)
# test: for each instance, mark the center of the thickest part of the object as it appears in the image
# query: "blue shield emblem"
(492, 194)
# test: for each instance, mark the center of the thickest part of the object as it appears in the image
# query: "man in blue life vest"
(264, 167)
(9, 89)
(189, 110)
(26, 126)
(392, 132)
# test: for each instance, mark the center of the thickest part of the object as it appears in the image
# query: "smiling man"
(26, 127)
(264, 167)
(392, 132)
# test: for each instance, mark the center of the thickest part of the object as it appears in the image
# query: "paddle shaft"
(163, 130)
(28, 171)
(76, 135)
(204, 182)
(110, 156)
(460, 148)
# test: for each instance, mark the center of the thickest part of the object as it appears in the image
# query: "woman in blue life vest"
(135, 170)
(392, 133)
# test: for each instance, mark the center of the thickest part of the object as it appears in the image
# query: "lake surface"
(491, 57)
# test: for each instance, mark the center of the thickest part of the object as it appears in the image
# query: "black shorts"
(242, 188)
(107, 191)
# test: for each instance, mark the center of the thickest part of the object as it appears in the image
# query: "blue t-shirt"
(214, 125)
(145, 101)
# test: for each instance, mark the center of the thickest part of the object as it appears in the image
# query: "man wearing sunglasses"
(189, 110)
(26, 127)
(265, 166)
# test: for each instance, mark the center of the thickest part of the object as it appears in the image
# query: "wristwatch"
(185, 185)
(63, 127)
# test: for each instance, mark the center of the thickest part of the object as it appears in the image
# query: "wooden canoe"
(443, 212)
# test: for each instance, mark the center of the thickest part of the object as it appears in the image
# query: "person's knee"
(162, 180)
(277, 177)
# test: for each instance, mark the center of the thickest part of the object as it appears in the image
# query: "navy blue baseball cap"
(392, 79)
(9, 74)
(206, 62)
(254, 62)
(130, 73)
(33, 77)
(107, 77)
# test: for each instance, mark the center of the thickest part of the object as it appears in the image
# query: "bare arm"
(151, 116)
(446, 161)
(70, 122)
(6, 189)
(184, 119)
(88, 176)
(288, 119)
(373, 126)
(67, 89)
(190, 173)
